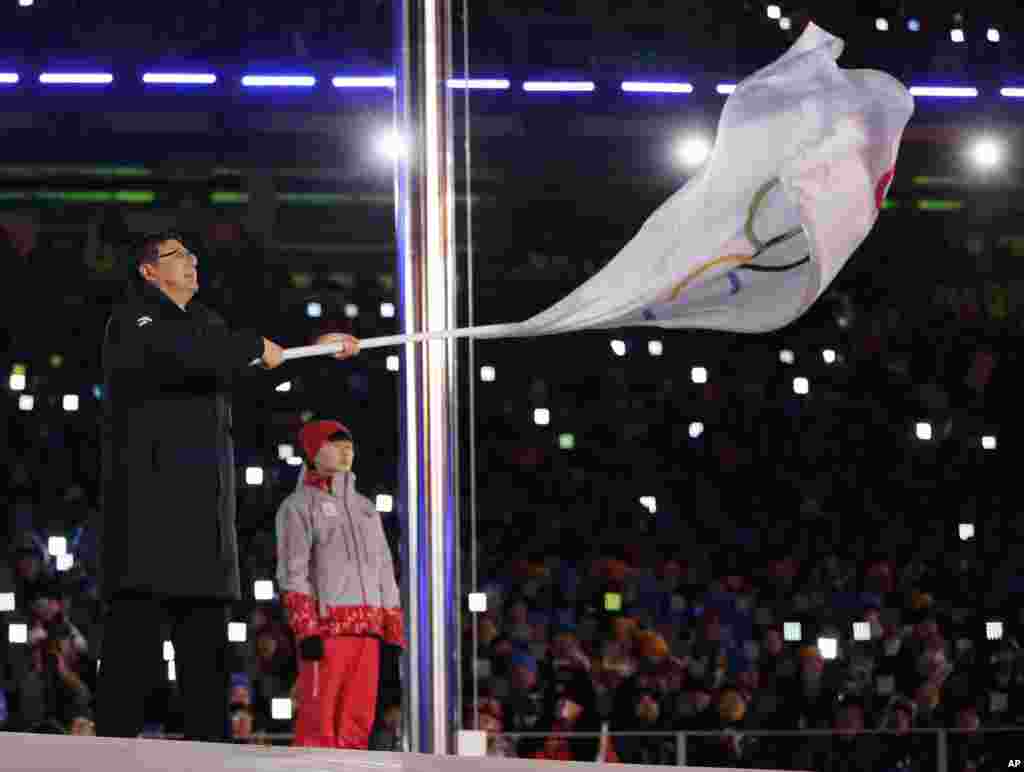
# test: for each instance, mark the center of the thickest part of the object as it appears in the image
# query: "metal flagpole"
(424, 217)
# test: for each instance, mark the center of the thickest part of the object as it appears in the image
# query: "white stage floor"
(49, 753)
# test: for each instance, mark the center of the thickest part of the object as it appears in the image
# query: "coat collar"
(158, 301)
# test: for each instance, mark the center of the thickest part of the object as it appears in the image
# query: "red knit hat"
(315, 434)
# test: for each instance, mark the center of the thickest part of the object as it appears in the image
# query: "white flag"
(803, 158)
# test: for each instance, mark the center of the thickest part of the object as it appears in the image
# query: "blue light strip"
(559, 86)
(1011, 92)
(961, 92)
(491, 84)
(655, 87)
(278, 81)
(383, 81)
(76, 78)
(180, 78)
(9, 78)
(725, 88)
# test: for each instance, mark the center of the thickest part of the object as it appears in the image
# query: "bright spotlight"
(284, 452)
(619, 348)
(694, 151)
(478, 602)
(699, 375)
(923, 430)
(956, 35)
(792, 631)
(392, 363)
(70, 403)
(254, 475)
(168, 651)
(57, 546)
(966, 531)
(314, 310)
(785, 23)
(65, 562)
(385, 502)
(26, 402)
(284, 387)
(994, 630)
(17, 632)
(294, 461)
(787, 357)
(487, 374)
(987, 153)
(696, 429)
(351, 311)
(882, 25)
(829, 648)
(861, 631)
(263, 589)
(650, 503)
(992, 35)
(7, 601)
(801, 385)
(387, 310)
(829, 355)
(913, 25)
(17, 382)
(391, 146)
(655, 348)
(774, 12)
(542, 416)
(172, 671)
(26, 3)
(281, 709)
(566, 442)
(236, 632)
(988, 442)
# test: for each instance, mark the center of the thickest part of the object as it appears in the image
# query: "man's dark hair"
(148, 249)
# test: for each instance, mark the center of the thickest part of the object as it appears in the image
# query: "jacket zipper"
(355, 544)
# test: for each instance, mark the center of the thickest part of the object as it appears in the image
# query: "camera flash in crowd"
(65, 562)
(263, 589)
(70, 403)
(294, 461)
(385, 502)
(487, 374)
(988, 442)
(17, 632)
(882, 24)
(57, 545)
(168, 651)
(923, 430)
(281, 709)
(787, 357)
(650, 503)
(994, 630)
(392, 363)
(655, 348)
(284, 452)
(542, 416)
(17, 382)
(791, 631)
(236, 632)
(861, 631)
(284, 388)
(314, 310)
(26, 402)
(619, 348)
(829, 648)
(612, 601)
(774, 12)
(478, 602)
(566, 441)
(966, 531)
(801, 385)
(351, 310)
(254, 475)
(699, 375)
(829, 355)
(387, 310)
(6, 601)
(696, 429)
(172, 671)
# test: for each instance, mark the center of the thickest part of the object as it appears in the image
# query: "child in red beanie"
(337, 582)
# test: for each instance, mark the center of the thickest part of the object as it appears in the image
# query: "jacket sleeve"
(165, 350)
(294, 558)
(394, 625)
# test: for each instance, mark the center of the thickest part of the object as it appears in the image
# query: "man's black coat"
(168, 520)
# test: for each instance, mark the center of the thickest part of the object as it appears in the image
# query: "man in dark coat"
(167, 538)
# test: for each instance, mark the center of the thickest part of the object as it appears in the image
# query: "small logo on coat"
(142, 321)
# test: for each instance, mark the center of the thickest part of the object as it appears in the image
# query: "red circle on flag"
(883, 187)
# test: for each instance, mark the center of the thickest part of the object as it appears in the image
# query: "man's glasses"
(178, 254)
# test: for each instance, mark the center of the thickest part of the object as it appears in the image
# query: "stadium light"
(57, 545)
(696, 429)
(478, 602)
(956, 35)
(559, 86)
(923, 429)
(392, 363)
(992, 35)
(542, 416)
(694, 151)
(653, 87)
(387, 310)
(65, 562)
(966, 531)
(650, 503)
(989, 442)
(787, 357)
(76, 78)
(829, 355)
(6, 601)
(263, 589)
(284, 452)
(278, 81)
(385, 502)
(619, 348)
(351, 310)
(488, 374)
(792, 632)
(314, 309)
(237, 632)
(281, 709)
(994, 630)
(861, 631)
(801, 385)
(70, 403)
(699, 374)
(17, 633)
(882, 24)
(168, 651)
(283, 387)
(362, 81)
(774, 12)
(179, 78)
(829, 648)
(26, 402)
(655, 348)
(390, 145)
(254, 475)
(987, 153)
